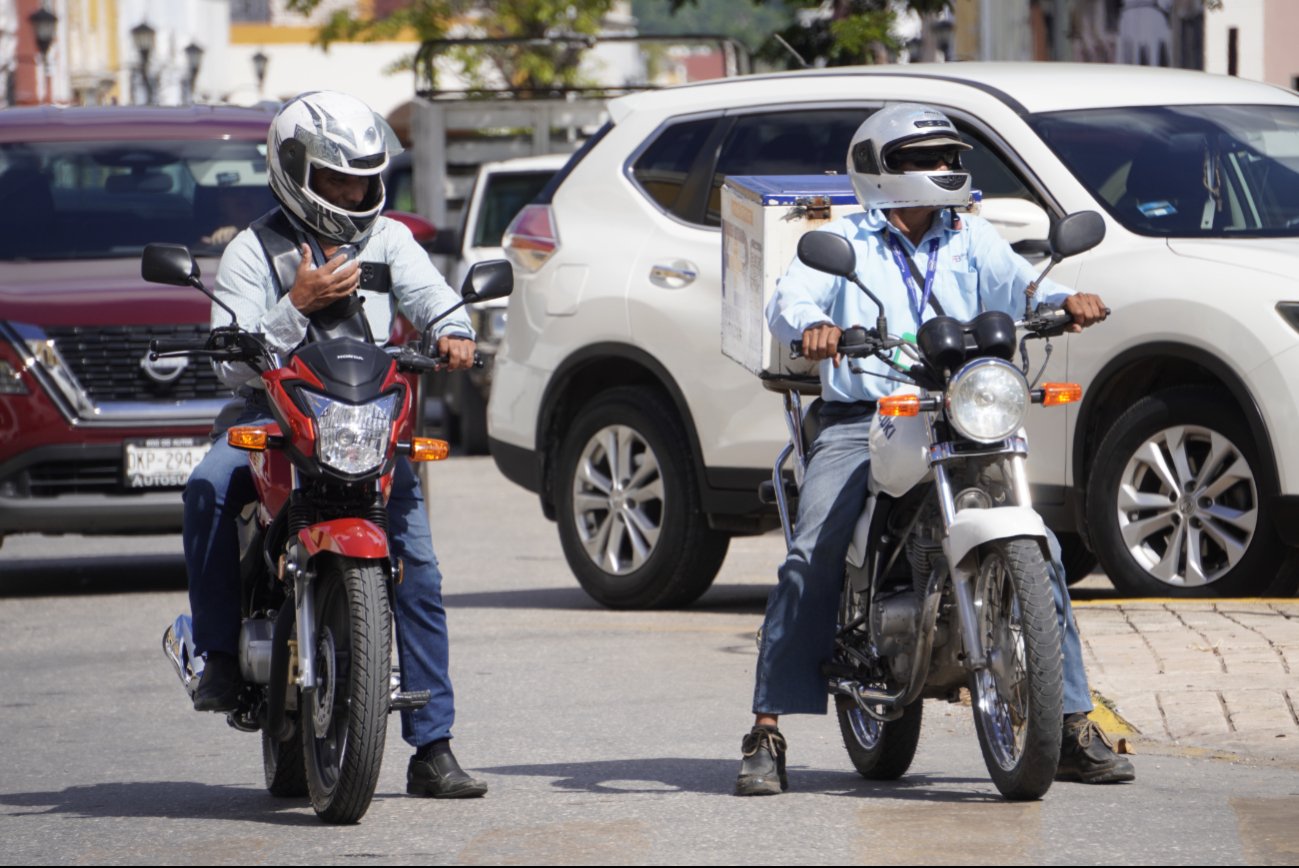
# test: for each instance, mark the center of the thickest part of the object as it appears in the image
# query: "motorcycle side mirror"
(174, 265)
(1071, 235)
(828, 252)
(493, 278)
(1076, 233)
(171, 264)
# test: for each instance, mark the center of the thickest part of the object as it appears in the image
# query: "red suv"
(95, 437)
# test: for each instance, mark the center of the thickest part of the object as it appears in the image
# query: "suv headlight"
(986, 400)
(352, 438)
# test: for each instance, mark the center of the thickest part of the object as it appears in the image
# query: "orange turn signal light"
(1054, 394)
(248, 437)
(428, 449)
(899, 405)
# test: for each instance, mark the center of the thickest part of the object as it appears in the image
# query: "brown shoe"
(1087, 756)
(762, 770)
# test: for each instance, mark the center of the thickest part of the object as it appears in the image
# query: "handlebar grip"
(170, 345)
(796, 349)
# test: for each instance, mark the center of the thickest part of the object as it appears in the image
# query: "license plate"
(162, 462)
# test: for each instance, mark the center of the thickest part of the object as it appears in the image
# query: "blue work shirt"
(244, 282)
(975, 271)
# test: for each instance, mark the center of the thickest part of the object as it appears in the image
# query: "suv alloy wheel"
(628, 504)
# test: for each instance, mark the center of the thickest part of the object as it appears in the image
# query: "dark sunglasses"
(927, 159)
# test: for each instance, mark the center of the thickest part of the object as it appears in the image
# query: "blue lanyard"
(917, 305)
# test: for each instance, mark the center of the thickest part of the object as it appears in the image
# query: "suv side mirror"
(487, 280)
(828, 252)
(171, 264)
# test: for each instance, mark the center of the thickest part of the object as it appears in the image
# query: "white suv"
(613, 402)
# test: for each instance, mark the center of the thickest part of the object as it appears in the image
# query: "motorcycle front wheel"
(879, 750)
(344, 718)
(1018, 697)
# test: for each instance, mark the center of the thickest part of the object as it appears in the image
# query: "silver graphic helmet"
(916, 134)
(335, 131)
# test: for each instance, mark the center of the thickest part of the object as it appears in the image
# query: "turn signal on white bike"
(1054, 394)
(899, 405)
(428, 449)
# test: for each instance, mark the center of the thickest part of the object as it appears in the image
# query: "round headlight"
(986, 400)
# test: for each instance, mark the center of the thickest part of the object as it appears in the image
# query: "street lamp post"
(259, 69)
(194, 59)
(44, 22)
(143, 36)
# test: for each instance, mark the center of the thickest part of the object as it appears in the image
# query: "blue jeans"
(219, 488)
(802, 610)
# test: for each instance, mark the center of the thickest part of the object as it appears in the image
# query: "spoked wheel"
(344, 719)
(879, 750)
(1018, 697)
(286, 773)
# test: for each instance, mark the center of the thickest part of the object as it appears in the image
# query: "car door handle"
(674, 276)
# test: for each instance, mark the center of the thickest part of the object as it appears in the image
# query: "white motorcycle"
(946, 583)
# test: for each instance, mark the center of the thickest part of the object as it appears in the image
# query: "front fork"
(962, 578)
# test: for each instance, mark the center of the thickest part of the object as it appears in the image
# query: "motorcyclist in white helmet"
(920, 256)
(297, 271)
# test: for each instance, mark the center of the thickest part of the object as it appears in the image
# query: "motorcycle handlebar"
(158, 346)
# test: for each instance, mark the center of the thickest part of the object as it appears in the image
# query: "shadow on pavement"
(164, 799)
(725, 599)
(716, 776)
(48, 577)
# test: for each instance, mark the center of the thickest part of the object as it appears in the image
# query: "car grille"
(54, 478)
(106, 362)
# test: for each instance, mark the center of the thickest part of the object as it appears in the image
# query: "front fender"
(974, 527)
(351, 537)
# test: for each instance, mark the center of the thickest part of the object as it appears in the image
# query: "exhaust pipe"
(178, 646)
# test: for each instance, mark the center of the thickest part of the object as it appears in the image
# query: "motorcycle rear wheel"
(284, 767)
(344, 718)
(1018, 698)
(879, 751)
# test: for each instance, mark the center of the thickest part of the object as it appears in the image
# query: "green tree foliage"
(833, 32)
(734, 18)
(533, 66)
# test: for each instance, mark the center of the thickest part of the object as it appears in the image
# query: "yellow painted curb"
(1106, 716)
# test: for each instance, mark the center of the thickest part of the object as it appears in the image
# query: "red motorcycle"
(315, 644)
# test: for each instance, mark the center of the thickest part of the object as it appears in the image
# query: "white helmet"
(335, 131)
(873, 164)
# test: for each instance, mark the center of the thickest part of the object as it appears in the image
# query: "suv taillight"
(531, 237)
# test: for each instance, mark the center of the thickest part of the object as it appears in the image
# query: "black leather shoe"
(762, 770)
(441, 777)
(218, 689)
(1087, 756)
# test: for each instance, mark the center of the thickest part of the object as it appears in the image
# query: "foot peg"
(409, 701)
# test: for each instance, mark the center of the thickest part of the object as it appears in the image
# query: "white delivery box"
(763, 217)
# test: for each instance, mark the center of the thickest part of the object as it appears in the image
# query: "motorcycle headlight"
(986, 400)
(352, 438)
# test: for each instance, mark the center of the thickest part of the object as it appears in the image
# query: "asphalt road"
(606, 737)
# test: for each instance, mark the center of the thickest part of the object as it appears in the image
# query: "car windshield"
(96, 200)
(1186, 171)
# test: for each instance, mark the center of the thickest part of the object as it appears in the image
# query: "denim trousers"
(802, 610)
(220, 487)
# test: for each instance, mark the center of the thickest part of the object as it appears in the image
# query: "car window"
(1208, 170)
(989, 173)
(108, 199)
(505, 195)
(784, 143)
(663, 167)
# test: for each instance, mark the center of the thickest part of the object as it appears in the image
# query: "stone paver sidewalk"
(1214, 674)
